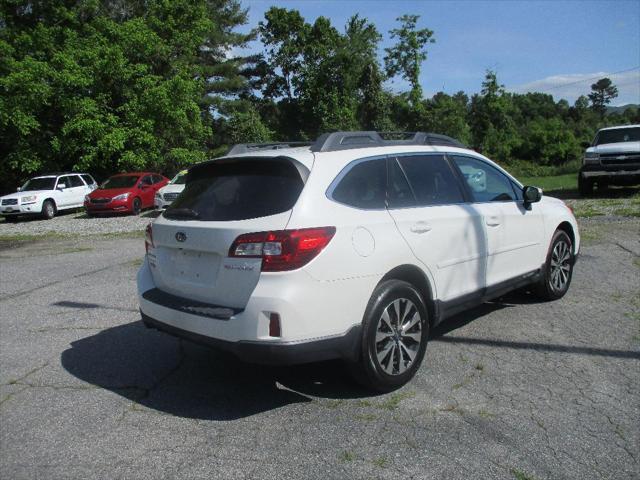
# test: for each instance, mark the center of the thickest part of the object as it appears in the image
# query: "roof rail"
(256, 147)
(332, 142)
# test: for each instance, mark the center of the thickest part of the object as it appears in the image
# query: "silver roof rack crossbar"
(336, 141)
(255, 147)
(332, 142)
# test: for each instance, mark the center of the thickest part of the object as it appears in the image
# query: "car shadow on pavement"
(184, 379)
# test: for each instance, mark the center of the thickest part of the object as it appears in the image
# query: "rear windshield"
(618, 135)
(227, 190)
(126, 181)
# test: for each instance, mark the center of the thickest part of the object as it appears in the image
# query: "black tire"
(136, 206)
(11, 218)
(48, 209)
(397, 368)
(585, 186)
(554, 283)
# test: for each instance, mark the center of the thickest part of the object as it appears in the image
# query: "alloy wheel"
(398, 336)
(560, 266)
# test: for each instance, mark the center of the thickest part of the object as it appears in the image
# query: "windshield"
(618, 135)
(125, 181)
(42, 183)
(238, 190)
(179, 179)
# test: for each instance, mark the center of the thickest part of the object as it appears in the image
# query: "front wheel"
(48, 210)
(394, 337)
(136, 206)
(558, 269)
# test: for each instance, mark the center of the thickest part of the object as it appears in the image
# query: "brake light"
(283, 250)
(148, 238)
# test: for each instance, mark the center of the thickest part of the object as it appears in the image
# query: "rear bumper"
(270, 353)
(319, 320)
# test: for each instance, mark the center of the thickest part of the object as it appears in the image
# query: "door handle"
(420, 227)
(493, 221)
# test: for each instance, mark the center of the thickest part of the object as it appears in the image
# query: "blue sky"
(559, 47)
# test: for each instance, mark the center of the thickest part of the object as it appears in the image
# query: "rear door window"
(226, 190)
(364, 185)
(75, 181)
(431, 179)
(88, 179)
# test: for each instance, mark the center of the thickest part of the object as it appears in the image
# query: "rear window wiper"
(181, 213)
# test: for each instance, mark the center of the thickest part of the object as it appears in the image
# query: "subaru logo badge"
(181, 236)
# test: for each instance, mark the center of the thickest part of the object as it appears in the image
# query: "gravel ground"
(512, 389)
(77, 224)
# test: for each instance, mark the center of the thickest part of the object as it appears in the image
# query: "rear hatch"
(222, 200)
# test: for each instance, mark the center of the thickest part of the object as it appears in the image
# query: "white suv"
(47, 194)
(354, 247)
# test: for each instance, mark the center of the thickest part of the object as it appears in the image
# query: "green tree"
(447, 115)
(113, 86)
(602, 92)
(492, 120)
(406, 56)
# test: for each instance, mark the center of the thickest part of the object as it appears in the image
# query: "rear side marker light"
(283, 250)
(274, 325)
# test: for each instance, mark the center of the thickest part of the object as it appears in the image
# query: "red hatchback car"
(125, 192)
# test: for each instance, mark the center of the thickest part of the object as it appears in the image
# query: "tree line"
(121, 85)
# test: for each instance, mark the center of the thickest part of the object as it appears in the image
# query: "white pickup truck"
(613, 158)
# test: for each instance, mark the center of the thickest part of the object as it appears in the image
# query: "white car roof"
(619, 127)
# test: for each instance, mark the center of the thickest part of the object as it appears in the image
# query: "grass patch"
(485, 413)
(394, 400)
(137, 262)
(451, 408)
(333, 404)
(567, 181)
(347, 456)
(636, 262)
(26, 238)
(367, 417)
(75, 249)
(586, 211)
(627, 212)
(381, 462)
(520, 475)
(479, 367)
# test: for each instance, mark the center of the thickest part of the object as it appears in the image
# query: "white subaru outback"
(46, 195)
(353, 247)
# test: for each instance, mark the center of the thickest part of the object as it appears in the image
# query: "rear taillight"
(148, 238)
(283, 250)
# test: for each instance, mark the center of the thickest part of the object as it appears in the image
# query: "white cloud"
(571, 86)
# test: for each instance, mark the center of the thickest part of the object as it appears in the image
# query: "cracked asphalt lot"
(513, 389)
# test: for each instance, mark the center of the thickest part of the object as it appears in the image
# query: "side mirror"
(61, 187)
(19, 189)
(585, 145)
(531, 195)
